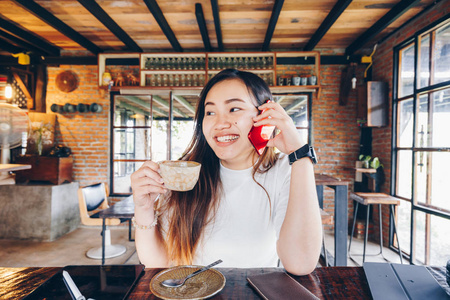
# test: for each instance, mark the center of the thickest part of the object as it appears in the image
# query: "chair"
(369, 199)
(95, 197)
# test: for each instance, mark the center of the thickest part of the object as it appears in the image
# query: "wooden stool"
(370, 199)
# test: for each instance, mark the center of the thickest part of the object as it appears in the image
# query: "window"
(298, 107)
(421, 148)
(147, 127)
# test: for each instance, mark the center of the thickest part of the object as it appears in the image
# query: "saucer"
(201, 286)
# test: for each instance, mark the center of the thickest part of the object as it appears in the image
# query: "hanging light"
(354, 76)
(8, 91)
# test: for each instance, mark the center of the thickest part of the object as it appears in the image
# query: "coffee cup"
(304, 80)
(296, 80)
(179, 175)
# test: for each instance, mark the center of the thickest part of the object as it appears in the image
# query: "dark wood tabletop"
(325, 283)
(121, 209)
(323, 179)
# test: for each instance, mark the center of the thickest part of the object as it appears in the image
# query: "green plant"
(370, 162)
(363, 157)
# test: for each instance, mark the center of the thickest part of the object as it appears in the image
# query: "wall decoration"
(67, 81)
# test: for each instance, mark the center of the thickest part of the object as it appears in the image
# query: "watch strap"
(305, 151)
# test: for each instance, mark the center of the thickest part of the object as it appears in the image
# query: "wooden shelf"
(270, 70)
(364, 170)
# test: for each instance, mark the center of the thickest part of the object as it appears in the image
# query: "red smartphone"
(259, 136)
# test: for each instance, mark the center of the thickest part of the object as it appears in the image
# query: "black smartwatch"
(305, 151)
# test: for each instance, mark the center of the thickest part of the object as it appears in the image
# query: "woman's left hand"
(288, 139)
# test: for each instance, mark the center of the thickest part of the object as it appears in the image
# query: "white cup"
(179, 175)
(296, 80)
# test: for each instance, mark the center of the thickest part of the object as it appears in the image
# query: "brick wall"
(87, 134)
(382, 71)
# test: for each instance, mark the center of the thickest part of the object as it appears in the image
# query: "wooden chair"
(91, 200)
(369, 199)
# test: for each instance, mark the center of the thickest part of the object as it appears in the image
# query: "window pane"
(159, 140)
(296, 107)
(405, 123)
(303, 133)
(404, 171)
(440, 242)
(419, 244)
(182, 132)
(439, 180)
(440, 136)
(131, 110)
(132, 143)
(122, 173)
(424, 63)
(406, 71)
(422, 122)
(421, 174)
(441, 55)
(404, 225)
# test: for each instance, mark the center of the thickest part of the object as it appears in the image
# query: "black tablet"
(96, 282)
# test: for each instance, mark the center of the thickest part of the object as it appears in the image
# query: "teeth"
(227, 138)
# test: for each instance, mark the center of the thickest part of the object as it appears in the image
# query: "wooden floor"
(71, 250)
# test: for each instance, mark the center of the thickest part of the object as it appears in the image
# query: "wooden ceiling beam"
(278, 5)
(8, 47)
(20, 43)
(215, 11)
(29, 38)
(98, 12)
(392, 15)
(162, 22)
(202, 26)
(59, 25)
(332, 16)
(185, 103)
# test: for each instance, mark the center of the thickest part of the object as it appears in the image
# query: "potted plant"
(363, 161)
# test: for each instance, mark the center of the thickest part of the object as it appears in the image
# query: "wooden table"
(123, 209)
(340, 214)
(325, 283)
(13, 167)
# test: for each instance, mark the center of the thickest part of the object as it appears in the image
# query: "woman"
(246, 209)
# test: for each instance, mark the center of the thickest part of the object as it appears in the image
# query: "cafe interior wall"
(382, 71)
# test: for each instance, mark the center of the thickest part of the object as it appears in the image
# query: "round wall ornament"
(67, 81)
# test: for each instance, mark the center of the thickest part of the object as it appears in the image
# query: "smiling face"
(229, 109)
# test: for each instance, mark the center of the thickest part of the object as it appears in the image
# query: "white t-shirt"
(247, 225)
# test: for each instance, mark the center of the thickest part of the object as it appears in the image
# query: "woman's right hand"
(146, 184)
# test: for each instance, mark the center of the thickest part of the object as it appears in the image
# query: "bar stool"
(371, 199)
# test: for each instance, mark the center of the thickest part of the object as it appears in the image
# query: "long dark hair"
(189, 212)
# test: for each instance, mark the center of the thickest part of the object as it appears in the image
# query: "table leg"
(340, 225)
(319, 189)
(103, 240)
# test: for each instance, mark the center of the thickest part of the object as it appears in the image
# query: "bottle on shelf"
(270, 62)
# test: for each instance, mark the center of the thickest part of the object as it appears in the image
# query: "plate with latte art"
(201, 286)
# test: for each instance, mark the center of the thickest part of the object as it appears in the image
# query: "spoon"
(171, 283)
